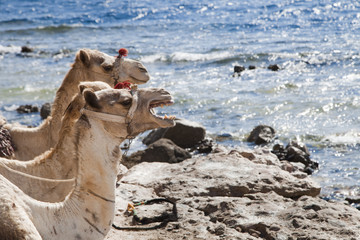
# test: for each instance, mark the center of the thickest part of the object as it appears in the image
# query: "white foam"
(186, 57)
(349, 138)
(10, 49)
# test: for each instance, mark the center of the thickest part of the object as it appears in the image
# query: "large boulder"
(238, 194)
(163, 150)
(185, 134)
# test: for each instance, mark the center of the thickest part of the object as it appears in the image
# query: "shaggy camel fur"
(89, 65)
(108, 118)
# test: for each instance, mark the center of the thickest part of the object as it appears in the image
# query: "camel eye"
(107, 68)
(126, 103)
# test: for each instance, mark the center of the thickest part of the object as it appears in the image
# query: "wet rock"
(238, 70)
(252, 67)
(352, 200)
(27, 109)
(204, 146)
(163, 150)
(296, 152)
(6, 146)
(262, 134)
(185, 134)
(26, 49)
(45, 110)
(273, 67)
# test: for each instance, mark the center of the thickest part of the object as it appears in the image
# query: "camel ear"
(84, 57)
(91, 98)
(81, 88)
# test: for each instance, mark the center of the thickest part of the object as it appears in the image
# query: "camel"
(60, 167)
(89, 65)
(108, 118)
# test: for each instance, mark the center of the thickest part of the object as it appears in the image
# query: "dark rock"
(296, 152)
(299, 153)
(252, 67)
(352, 200)
(163, 150)
(238, 69)
(273, 67)
(6, 146)
(280, 151)
(27, 109)
(45, 110)
(223, 137)
(204, 146)
(185, 134)
(261, 134)
(26, 49)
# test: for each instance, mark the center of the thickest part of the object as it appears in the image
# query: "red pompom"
(123, 52)
(122, 85)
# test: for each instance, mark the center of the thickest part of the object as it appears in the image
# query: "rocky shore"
(233, 193)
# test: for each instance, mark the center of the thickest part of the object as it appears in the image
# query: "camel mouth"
(163, 121)
(135, 80)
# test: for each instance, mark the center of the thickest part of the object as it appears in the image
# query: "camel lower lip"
(138, 81)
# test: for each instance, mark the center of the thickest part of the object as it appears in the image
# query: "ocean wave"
(47, 29)
(59, 28)
(351, 138)
(10, 49)
(186, 57)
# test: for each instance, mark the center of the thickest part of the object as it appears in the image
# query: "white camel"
(109, 117)
(89, 65)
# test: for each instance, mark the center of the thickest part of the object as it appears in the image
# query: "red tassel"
(123, 52)
(122, 85)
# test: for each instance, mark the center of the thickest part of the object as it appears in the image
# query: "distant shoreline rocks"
(239, 69)
(295, 152)
(45, 109)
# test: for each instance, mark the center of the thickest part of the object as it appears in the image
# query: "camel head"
(133, 108)
(111, 69)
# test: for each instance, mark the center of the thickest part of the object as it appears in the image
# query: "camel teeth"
(166, 117)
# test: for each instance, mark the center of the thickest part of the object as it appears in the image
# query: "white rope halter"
(103, 116)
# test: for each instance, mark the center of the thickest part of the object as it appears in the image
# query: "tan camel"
(89, 65)
(108, 118)
(46, 166)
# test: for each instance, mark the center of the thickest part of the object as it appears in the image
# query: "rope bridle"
(50, 180)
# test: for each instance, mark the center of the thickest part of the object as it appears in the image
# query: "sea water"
(190, 48)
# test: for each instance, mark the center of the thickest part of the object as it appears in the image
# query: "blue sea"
(190, 48)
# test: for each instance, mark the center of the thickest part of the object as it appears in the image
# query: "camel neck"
(90, 206)
(69, 87)
(97, 154)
